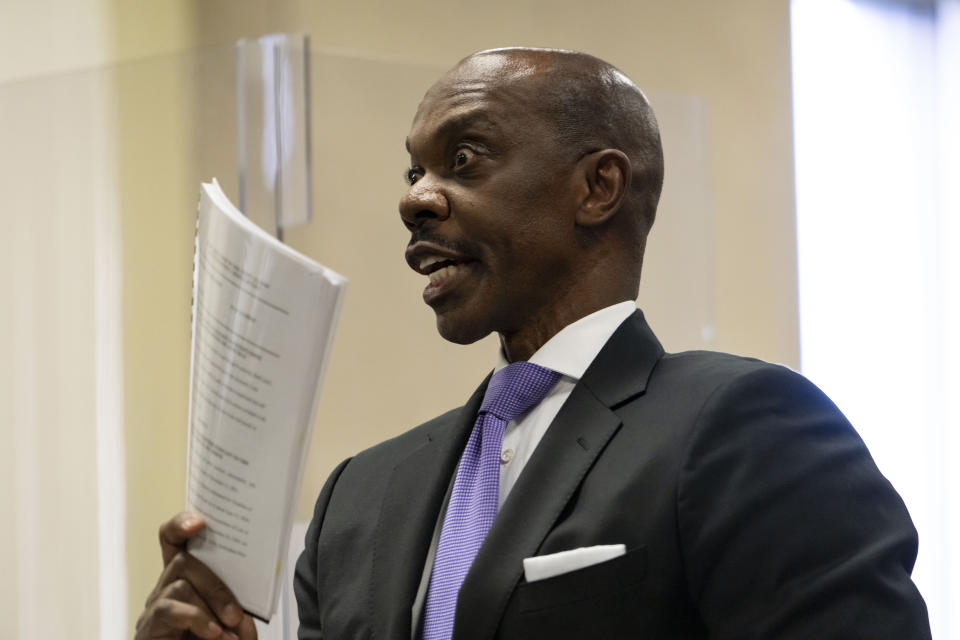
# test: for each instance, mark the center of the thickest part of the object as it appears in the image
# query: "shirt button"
(506, 456)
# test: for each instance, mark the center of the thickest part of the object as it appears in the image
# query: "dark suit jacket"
(749, 507)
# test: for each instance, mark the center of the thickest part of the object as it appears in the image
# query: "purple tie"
(512, 391)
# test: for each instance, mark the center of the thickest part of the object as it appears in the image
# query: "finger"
(247, 630)
(209, 588)
(173, 615)
(175, 532)
(179, 609)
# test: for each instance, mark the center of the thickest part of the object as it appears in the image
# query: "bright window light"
(877, 282)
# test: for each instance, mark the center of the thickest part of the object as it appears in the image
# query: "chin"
(460, 332)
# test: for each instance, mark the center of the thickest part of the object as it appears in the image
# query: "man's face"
(490, 203)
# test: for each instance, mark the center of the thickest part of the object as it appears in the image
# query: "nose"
(423, 201)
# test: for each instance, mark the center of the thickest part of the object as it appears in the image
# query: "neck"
(600, 282)
(524, 342)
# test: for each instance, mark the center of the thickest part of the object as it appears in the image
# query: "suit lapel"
(581, 430)
(408, 516)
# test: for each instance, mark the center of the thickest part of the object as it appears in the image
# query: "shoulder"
(715, 366)
(710, 378)
(706, 406)
(736, 400)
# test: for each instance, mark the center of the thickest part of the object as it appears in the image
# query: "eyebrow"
(474, 118)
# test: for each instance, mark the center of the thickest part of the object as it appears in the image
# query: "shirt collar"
(575, 346)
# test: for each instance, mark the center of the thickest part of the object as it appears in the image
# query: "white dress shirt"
(569, 353)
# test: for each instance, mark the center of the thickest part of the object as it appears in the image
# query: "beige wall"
(47, 345)
(157, 195)
(48, 37)
(51, 36)
(63, 100)
(390, 369)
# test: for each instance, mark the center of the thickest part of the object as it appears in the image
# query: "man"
(745, 504)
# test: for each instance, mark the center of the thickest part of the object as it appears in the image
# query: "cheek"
(533, 197)
(520, 221)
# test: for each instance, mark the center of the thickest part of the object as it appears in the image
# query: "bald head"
(591, 105)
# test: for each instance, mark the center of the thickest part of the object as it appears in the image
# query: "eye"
(412, 174)
(462, 156)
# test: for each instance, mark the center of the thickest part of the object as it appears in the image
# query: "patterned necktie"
(512, 391)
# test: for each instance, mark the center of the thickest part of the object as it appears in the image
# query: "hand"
(190, 601)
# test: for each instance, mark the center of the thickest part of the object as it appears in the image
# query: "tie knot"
(516, 389)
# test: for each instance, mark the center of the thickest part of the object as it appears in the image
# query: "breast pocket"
(599, 601)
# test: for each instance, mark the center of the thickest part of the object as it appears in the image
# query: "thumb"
(175, 532)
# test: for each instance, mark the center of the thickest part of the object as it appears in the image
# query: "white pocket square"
(555, 564)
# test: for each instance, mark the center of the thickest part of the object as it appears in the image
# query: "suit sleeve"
(789, 529)
(305, 574)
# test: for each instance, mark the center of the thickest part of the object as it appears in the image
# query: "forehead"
(484, 95)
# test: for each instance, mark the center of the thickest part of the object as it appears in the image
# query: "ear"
(607, 179)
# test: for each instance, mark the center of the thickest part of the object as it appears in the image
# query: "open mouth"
(445, 275)
(445, 268)
(439, 269)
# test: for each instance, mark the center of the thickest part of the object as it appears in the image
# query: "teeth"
(426, 262)
(443, 273)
